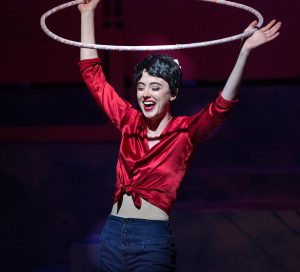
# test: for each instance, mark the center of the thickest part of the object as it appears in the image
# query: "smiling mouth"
(149, 105)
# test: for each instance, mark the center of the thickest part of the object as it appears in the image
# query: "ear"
(173, 96)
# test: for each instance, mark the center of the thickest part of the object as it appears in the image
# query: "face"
(154, 96)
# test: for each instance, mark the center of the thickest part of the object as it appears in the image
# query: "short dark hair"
(162, 66)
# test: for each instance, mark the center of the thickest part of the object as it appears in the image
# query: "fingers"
(268, 26)
(85, 2)
(271, 30)
(276, 27)
(273, 37)
(88, 5)
(88, 1)
(253, 24)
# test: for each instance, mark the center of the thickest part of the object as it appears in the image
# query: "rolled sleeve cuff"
(223, 103)
(86, 63)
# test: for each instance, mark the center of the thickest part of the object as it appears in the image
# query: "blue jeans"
(136, 245)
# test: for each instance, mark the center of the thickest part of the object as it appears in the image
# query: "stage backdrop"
(28, 55)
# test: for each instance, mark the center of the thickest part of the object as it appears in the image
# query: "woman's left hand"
(261, 36)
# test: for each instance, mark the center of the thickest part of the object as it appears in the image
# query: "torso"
(147, 210)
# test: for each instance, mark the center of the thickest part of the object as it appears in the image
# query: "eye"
(155, 88)
(140, 88)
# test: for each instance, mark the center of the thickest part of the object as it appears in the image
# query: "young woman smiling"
(155, 149)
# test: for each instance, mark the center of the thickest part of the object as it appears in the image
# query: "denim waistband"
(137, 220)
(135, 228)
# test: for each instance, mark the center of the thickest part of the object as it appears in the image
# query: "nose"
(147, 92)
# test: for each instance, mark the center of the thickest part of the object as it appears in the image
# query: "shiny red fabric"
(152, 174)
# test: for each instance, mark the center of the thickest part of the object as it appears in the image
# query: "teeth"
(148, 103)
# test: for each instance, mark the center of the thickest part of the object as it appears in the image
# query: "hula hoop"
(152, 47)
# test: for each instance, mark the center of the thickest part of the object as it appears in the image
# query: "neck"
(159, 124)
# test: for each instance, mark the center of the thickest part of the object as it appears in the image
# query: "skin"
(155, 92)
(153, 89)
(260, 37)
(87, 11)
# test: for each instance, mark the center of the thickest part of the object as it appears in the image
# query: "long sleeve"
(203, 124)
(113, 105)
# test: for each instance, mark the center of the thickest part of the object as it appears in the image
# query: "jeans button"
(124, 244)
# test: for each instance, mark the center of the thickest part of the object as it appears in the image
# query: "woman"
(155, 149)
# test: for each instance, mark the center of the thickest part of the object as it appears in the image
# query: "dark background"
(239, 204)
(30, 56)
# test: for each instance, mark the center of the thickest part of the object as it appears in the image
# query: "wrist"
(87, 13)
(245, 51)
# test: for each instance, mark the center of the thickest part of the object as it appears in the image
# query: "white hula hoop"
(152, 47)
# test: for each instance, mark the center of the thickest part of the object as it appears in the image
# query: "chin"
(152, 115)
(149, 115)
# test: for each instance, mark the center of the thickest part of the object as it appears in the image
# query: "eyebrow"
(152, 83)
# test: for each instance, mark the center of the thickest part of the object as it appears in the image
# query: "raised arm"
(87, 10)
(104, 94)
(260, 37)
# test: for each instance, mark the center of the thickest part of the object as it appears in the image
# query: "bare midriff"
(147, 210)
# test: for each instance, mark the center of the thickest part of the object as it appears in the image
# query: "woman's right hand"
(88, 5)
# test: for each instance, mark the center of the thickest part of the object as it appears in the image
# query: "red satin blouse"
(152, 174)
